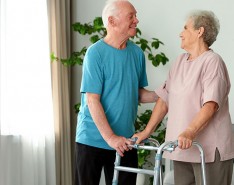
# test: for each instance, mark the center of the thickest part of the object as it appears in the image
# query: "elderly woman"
(195, 97)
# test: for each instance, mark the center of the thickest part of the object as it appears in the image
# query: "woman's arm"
(200, 121)
(159, 111)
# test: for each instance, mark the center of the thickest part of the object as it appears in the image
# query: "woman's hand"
(140, 136)
(185, 139)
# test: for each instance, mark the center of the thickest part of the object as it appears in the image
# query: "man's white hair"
(110, 9)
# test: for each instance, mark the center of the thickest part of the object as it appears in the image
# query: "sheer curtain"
(27, 155)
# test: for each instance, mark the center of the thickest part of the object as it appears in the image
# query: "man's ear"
(111, 20)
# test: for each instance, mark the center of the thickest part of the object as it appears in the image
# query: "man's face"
(126, 20)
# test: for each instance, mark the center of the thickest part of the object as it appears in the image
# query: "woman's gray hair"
(110, 9)
(207, 20)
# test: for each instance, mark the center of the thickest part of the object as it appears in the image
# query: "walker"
(157, 172)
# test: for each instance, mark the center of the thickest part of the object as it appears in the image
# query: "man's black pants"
(89, 162)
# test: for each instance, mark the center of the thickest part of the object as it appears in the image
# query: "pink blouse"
(190, 84)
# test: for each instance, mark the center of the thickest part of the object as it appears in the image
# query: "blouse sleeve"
(162, 92)
(216, 84)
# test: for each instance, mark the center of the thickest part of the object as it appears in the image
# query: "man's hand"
(119, 143)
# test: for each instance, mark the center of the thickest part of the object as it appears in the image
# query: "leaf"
(94, 38)
(98, 24)
(77, 107)
(53, 57)
(155, 44)
(155, 62)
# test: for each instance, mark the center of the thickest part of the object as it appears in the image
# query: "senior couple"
(194, 97)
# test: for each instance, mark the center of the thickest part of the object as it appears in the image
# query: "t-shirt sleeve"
(216, 85)
(92, 75)
(143, 82)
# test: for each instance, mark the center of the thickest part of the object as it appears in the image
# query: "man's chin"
(132, 33)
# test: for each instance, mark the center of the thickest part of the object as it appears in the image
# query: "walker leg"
(116, 172)
(203, 164)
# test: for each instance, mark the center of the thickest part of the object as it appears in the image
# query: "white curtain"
(27, 154)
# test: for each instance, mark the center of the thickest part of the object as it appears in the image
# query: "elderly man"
(113, 84)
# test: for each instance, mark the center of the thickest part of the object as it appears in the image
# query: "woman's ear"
(201, 31)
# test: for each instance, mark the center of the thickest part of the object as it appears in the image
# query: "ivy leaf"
(94, 38)
(98, 24)
(155, 44)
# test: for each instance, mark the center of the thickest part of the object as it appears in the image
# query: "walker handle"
(134, 139)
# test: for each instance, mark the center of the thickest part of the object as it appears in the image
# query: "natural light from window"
(25, 80)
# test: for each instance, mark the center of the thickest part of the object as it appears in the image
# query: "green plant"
(97, 31)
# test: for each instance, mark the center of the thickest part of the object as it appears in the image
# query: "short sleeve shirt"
(190, 84)
(116, 75)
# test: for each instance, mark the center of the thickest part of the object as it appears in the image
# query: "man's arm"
(96, 110)
(146, 96)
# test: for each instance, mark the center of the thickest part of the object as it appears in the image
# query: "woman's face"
(189, 36)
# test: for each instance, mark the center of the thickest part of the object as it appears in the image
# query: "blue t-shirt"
(116, 75)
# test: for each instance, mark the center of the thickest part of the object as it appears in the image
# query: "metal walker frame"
(157, 172)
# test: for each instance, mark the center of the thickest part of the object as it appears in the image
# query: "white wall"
(164, 19)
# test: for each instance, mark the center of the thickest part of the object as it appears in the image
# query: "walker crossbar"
(134, 170)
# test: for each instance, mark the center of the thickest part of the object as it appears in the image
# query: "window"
(26, 102)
